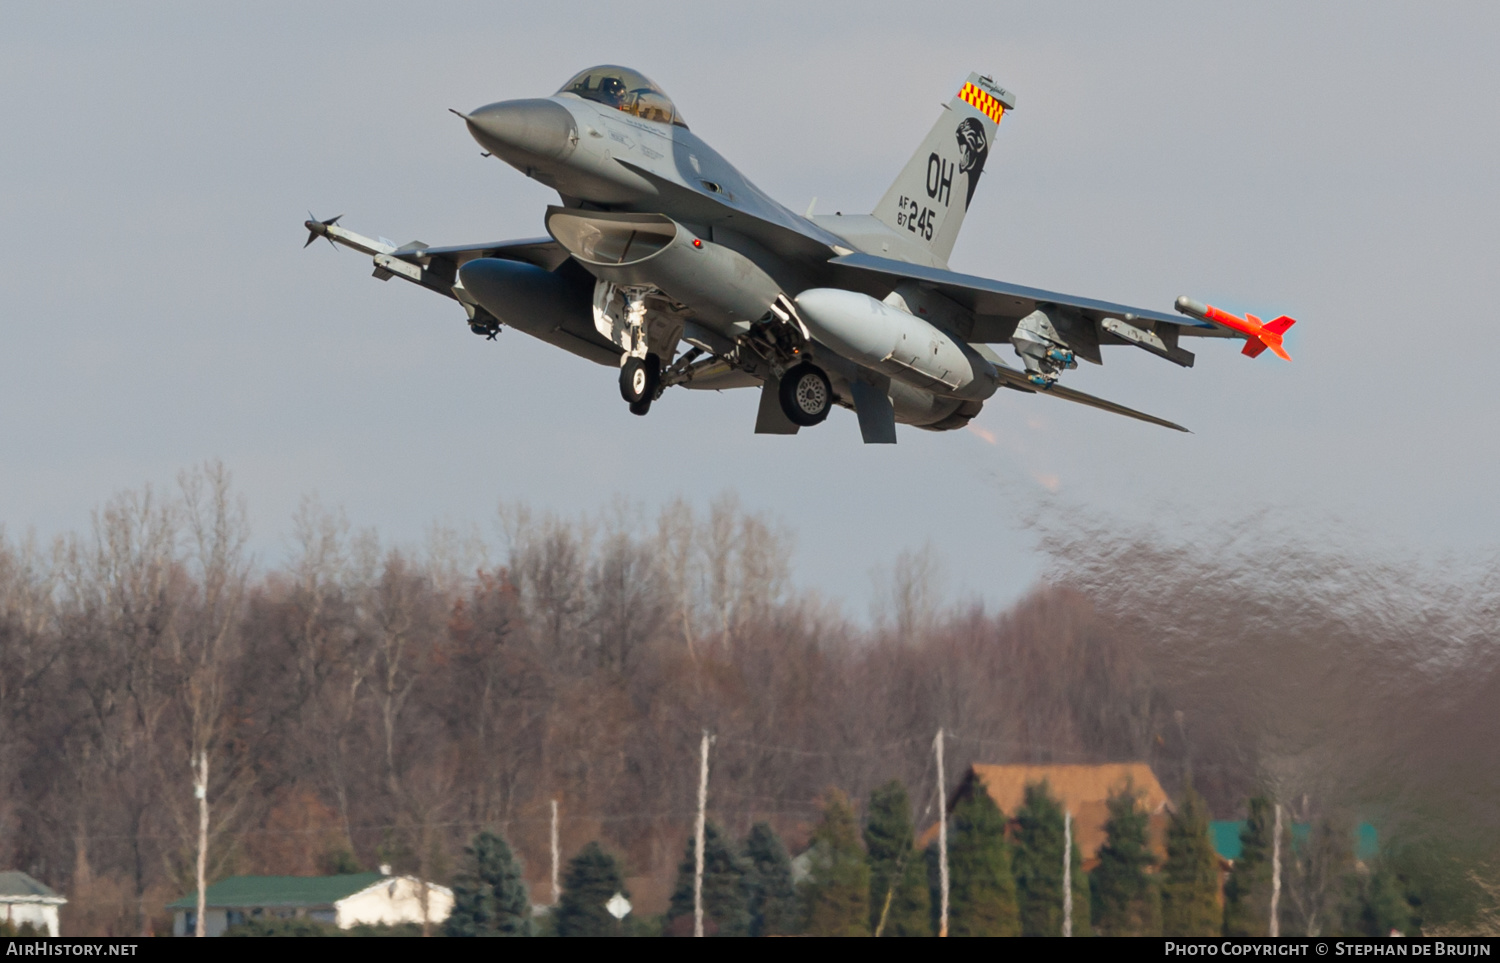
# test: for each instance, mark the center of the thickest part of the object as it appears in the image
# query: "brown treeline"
(363, 704)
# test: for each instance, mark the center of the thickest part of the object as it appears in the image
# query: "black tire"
(635, 380)
(805, 395)
(653, 376)
(641, 407)
(639, 380)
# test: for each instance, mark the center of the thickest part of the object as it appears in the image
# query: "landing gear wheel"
(639, 381)
(805, 395)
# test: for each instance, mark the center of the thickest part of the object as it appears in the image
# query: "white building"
(24, 900)
(344, 901)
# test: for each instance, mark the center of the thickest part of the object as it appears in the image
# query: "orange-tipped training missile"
(1258, 336)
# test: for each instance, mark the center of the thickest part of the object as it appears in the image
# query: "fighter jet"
(666, 263)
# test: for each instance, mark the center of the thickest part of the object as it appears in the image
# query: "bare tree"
(676, 554)
(124, 591)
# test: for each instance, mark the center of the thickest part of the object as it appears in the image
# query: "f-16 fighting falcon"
(664, 262)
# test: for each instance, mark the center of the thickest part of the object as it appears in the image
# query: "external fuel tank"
(899, 345)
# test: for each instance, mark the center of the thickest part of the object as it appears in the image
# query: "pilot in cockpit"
(612, 92)
(625, 90)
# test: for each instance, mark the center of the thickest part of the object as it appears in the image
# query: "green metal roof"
(1226, 837)
(284, 891)
(15, 883)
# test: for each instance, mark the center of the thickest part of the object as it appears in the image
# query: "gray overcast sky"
(1333, 162)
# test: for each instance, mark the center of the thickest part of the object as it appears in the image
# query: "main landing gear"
(639, 380)
(805, 395)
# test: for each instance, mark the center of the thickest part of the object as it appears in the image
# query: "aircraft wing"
(544, 252)
(435, 268)
(1018, 381)
(997, 305)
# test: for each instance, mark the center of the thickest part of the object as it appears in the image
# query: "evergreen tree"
(1190, 878)
(726, 897)
(1247, 892)
(1379, 906)
(1038, 863)
(592, 879)
(1082, 902)
(768, 880)
(836, 895)
(982, 888)
(489, 894)
(910, 913)
(898, 878)
(1126, 901)
(934, 888)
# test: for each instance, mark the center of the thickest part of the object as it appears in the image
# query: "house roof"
(19, 887)
(1082, 790)
(288, 891)
(1076, 787)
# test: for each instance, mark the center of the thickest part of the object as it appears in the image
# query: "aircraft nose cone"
(540, 128)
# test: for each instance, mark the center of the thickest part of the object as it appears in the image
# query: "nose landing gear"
(640, 378)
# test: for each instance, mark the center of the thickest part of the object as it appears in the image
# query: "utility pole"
(942, 835)
(1275, 929)
(200, 790)
(556, 889)
(702, 822)
(1067, 873)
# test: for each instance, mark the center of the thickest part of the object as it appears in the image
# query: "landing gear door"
(770, 419)
(877, 417)
(609, 316)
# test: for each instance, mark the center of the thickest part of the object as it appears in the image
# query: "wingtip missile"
(1258, 336)
(317, 228)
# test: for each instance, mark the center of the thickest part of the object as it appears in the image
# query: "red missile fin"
(1253, 348)
(1271, 334)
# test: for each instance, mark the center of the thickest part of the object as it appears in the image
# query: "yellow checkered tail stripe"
(982, 102)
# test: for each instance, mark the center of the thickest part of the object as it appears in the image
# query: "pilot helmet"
(613, 88)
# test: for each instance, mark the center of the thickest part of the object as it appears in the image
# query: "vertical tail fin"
(932, 194)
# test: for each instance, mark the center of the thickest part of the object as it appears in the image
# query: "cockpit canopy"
(624, 89)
